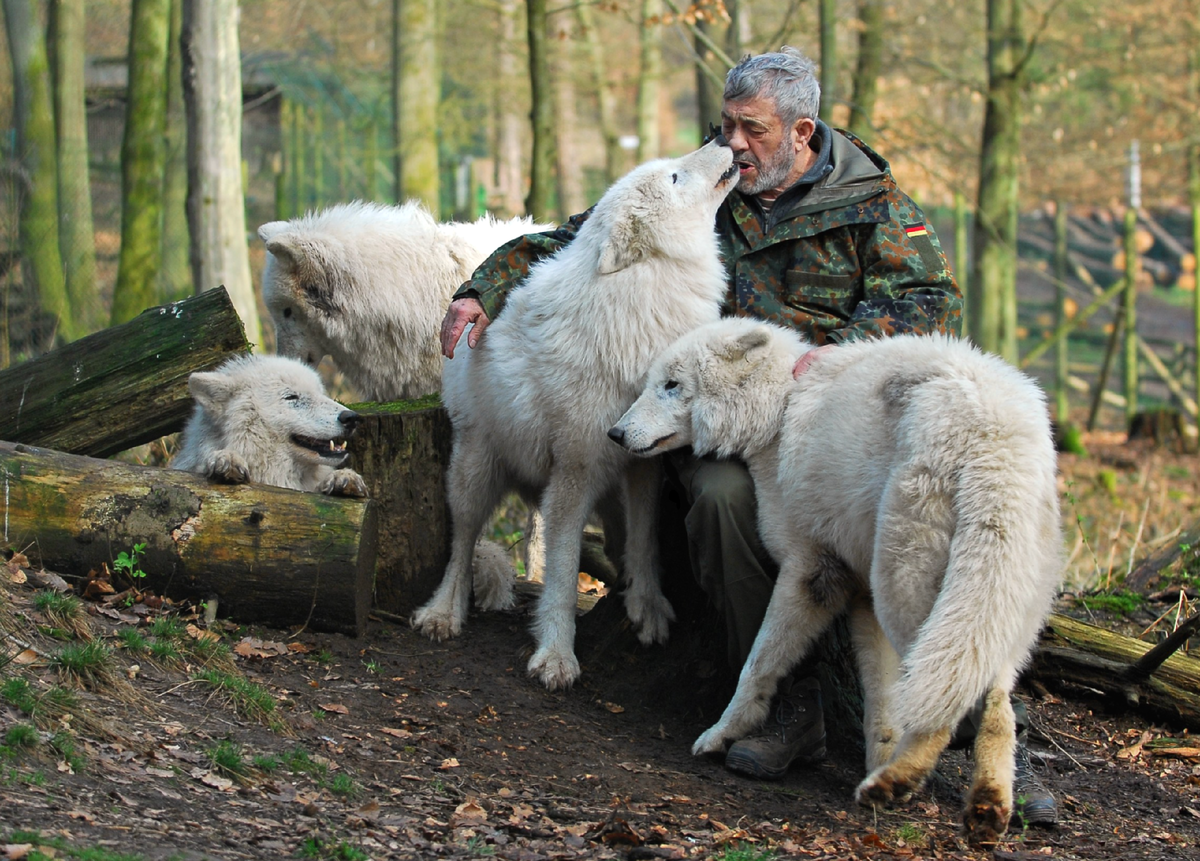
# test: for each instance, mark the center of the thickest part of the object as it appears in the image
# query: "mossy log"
(402, 450)
(123, 386)
(269, 555)
(1081, 654)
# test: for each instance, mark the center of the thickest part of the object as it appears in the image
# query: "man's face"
(765, 151)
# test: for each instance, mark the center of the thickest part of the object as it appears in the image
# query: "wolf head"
(663, 208)
(270, 407)
(721, 388)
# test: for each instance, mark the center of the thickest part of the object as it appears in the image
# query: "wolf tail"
(1004, 562)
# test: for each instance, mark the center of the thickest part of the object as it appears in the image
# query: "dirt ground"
(392, 746)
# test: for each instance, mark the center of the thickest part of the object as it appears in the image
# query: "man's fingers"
(481, 323)
(806, 360)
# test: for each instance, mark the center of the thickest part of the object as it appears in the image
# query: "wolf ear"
(210, 389)
(744, 345)
(271, 229)
(282, 248)
(626, 243)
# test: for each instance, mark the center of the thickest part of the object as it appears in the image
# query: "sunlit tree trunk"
(1194, 184)
(510, 178)
(175, 280)
(710, 71)
(416, 86)
(34, 115)
(76, 230)
(993, 279)
(827, 17)
(606, 99)
(143, 161)
(649, 82)
(541, 166)
(212, 85)
(569, 173)
(867, 69)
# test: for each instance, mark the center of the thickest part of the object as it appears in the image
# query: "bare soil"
(392, 746)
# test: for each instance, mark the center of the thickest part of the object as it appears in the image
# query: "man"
(816, 236)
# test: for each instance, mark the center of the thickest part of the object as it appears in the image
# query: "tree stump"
(269, 555)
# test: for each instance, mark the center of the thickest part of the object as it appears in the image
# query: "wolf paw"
(227, 466)
(435, 623)
(556, 670)
(651, 616)
(712, 740)
(881, 787)
(984, 822)
(344, 482)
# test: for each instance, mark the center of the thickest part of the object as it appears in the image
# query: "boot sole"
(753, 768)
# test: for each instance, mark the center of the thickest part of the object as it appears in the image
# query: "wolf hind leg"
(914, 758)
(645, 603)
(878, 668)
(989, 800)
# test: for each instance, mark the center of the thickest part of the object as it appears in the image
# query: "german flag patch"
(918, 234)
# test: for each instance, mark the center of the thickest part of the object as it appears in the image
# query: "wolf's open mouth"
(334, 449)
(654, 445)
(728, 174)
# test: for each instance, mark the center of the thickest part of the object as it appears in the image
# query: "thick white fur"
(245, 426)
(368, 285)
(913, 474)
(532, 402)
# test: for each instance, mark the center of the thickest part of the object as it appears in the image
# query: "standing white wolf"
(914, 475)
(368, 284)
(268, 420)
(531, 403)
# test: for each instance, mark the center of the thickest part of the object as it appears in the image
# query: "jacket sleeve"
(505, 267)
(907, 283)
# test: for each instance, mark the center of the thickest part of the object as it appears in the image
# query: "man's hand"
(813, 355)
(460, 314)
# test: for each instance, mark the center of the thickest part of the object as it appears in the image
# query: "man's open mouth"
(326, 449)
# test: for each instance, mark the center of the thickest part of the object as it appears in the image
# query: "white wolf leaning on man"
(368, 284)
(268, 420)
(913, 474)
(531, 403)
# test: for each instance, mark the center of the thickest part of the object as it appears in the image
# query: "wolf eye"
(287, 312)
(670, 384)
(292, 397)
(674, 178)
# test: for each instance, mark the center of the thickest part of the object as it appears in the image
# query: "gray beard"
(773, 173)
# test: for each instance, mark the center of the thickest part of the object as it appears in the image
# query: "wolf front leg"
(990, 799)
(645, 604)
(473, 488)
(793, 622)
(878, 669)
(568, 500)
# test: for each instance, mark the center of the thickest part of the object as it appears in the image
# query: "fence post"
(962, 238)
(1130, 294)
(1061, 397)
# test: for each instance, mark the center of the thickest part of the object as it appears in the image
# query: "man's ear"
(210, 389)
(803, 131)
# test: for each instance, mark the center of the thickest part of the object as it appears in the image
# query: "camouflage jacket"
(846, 258)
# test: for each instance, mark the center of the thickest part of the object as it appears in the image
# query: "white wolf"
(268, 420)
(368, 285)
(532, 402)
(913, 474)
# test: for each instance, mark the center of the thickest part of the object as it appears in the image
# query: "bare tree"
(509, 174)
(212, 88)
(867, 69)
(143, 161)
(75, 226)
(829, 57)
(649, 81)
(606, 98)
(34, 114)
(541, 167)
(415, 90)
(568, 171)
(175, 279)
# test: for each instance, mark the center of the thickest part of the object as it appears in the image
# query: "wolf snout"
(617, 434)
(350, 420)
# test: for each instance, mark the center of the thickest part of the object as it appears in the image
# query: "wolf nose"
(350, 419)
(617, 434)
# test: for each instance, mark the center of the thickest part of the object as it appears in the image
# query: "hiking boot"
(1033, 803)
(794, 730)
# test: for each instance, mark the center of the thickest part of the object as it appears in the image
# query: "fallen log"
(1122, 668)
(123, 386)
(269, 555)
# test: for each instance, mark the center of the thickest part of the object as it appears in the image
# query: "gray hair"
(785, 76)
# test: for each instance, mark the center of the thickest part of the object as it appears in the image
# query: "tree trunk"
(1062, 401)
(509, 174)
(121, 386)
(269, 555)
(867, 70)
(36, 145)
(143, 161)
(76, 230)
(1129, 356)
(709, 70)
(614, 157)
(993, 279)
(416, 84)
(175, 278)
(212, 87)
(1077, 653)
(541, 167)
(649, 82)
(569, 173)
(829, 58)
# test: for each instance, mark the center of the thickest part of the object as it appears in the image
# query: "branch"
(704, 39)
(1141, 669)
